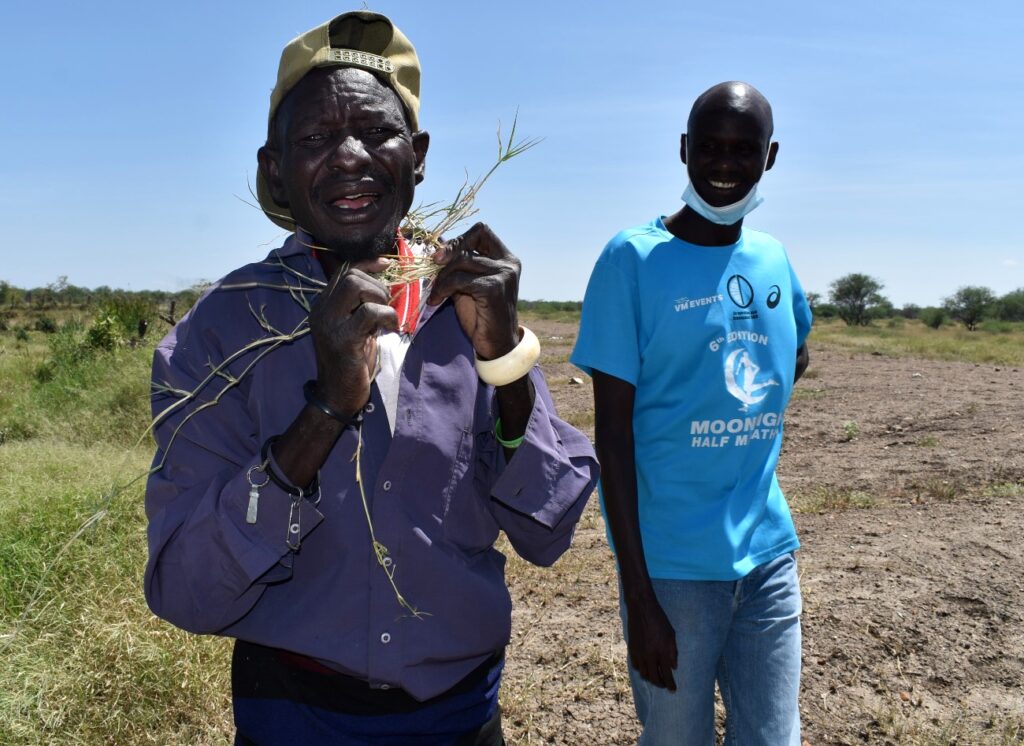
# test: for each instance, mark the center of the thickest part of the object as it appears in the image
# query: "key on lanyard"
(254, 492)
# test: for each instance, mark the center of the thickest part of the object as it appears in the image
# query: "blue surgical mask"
(727, 214)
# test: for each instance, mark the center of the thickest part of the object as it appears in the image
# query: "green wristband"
(510, 444)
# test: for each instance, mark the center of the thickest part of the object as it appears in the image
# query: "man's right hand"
(652, 642)
(344, 323)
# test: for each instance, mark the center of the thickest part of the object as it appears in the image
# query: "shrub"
(932, 317)
(132, 315)
(105, 333)
(21, 335)
(825, 311)
(46, 324)
(995, 326)
(1011, 306)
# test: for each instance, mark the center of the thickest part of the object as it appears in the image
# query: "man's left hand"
(481, 277)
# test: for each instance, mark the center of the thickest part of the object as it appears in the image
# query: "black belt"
(260, 672)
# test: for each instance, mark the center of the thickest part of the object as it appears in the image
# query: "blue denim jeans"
(744, 634)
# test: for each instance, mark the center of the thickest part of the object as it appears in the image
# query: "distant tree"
(855, 296)
(970, 304)
(882, 310)
(910, 311)
(813, 299)
(932, 317)
(13, 296)
(59, 285)
(1011, 306)
(825, 311)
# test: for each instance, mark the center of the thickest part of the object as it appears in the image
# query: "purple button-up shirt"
(438, 492)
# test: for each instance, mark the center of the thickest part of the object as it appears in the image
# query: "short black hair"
(733, 96)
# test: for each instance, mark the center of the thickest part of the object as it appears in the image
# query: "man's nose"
(350, 155)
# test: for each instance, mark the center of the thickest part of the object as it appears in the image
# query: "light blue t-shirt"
(708, 336)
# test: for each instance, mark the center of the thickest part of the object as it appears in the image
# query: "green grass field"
(999, 343)
(84, 661)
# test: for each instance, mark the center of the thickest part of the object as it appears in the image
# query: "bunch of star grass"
(426, 225)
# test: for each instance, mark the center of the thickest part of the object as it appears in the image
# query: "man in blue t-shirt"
(694, 331)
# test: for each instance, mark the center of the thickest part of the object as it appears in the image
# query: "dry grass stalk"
(427, 224)
(380, 551)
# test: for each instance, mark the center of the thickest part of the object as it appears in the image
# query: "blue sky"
(131, 130)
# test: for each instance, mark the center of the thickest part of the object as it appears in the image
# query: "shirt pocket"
(467, 522)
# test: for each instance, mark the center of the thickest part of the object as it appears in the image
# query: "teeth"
(723, 184)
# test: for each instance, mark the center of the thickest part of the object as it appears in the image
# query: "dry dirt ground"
(907, 479)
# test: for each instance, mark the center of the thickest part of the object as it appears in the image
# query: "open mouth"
(723, 185)
(356, 201)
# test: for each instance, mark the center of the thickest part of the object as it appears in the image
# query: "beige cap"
(357, 39)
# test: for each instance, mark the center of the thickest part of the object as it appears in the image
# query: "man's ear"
(773, 151)
(682, 148)
(420, 143)
(270, 170)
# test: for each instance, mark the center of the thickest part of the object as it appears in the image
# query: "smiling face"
(343, 160)
(727, 143)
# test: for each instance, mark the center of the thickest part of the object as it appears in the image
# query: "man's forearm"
(613, 402)
(620, 501)
(303, 448)
(803, 359)
(515, 403)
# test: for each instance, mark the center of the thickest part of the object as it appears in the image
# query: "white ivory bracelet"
(513, 365)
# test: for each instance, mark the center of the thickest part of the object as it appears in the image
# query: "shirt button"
(385, 638)
(386, 486)
(385, 686)
(368, 408)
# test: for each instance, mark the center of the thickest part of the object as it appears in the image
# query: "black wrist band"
(309, 389)
(296, 492)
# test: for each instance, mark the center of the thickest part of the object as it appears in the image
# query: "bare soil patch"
(908, 482)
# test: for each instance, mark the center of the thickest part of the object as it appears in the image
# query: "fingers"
(652, 648)
(466, 282)
(478, 241)
(654, 665)
(657, 663)
(476, 263)
(350, 289)
(353, 307)
(371, 266)
(668, 663)
(370, 318)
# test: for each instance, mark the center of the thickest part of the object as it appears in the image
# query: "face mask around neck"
(727, 214)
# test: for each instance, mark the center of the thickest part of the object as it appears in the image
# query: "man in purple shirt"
(328, 490)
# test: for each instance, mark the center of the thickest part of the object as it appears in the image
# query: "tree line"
(62, 294)
(857, 299)
(135, 310)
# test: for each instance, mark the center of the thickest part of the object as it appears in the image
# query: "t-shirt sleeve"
(801, 310)
(608, 338)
